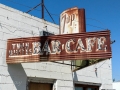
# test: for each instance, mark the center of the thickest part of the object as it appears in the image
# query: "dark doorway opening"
(86, 87)
(40, 86)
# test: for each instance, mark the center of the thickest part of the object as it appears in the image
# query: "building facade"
(116, 85)
(44, 75)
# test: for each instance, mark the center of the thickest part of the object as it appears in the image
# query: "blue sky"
(100, 15)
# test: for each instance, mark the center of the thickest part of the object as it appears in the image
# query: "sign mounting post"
(42, 6)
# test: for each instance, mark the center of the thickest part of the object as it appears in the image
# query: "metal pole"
(42, 6)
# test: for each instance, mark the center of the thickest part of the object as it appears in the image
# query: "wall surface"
(116, 85)
(101, 76)
(16, 24)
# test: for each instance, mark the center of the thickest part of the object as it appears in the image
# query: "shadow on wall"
(18, 76)
(75, 78)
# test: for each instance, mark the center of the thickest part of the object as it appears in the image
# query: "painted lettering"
(100, 43)
(82, 45)
(68, 46)
(55, 47)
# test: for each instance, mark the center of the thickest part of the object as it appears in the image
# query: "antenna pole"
(42, 6)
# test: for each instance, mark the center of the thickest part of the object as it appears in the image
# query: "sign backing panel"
(79, 46)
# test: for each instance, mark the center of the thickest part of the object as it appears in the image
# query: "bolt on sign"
(72, 21)
(79, 46)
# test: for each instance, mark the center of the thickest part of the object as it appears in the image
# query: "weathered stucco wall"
(116, 85)
(99, 74)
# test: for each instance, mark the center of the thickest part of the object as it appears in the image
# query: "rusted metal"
(82, 21)
(76, 23)
(72, 21)
(79, 46)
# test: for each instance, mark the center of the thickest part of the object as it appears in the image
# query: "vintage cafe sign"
(68, 46)
(80, 46)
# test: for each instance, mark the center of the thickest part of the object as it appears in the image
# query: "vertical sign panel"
(72, 21)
